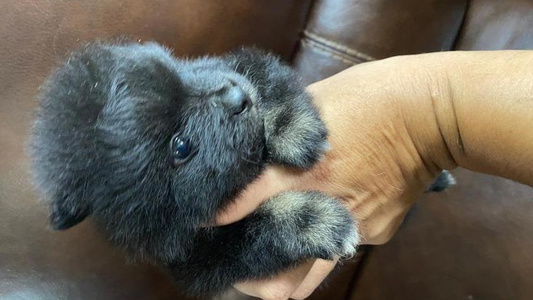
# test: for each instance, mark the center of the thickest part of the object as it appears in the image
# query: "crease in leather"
(365, 251)
(337, 48)
(460, 32)
(308, 15)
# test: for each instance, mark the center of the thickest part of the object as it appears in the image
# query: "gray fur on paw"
(301, 141)
(313, 225)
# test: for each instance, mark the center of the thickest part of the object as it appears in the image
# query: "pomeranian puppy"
(151, 147)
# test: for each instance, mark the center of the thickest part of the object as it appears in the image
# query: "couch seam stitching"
(337, 47)
(329, 53)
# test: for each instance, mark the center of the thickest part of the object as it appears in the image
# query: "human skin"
(394, 125)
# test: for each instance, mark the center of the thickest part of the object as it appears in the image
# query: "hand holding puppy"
(394, 125)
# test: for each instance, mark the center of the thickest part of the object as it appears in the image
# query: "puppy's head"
(149, 145)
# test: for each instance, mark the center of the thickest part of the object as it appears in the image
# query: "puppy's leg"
(283, 232)
(295, 134)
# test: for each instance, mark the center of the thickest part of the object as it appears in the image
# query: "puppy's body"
(151, 147)
(103, 146)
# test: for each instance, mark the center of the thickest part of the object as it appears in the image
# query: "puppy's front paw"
(313, 225)
(285, 231)
(297, 137)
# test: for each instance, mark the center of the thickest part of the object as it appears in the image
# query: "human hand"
(373, 167)
(394, 125)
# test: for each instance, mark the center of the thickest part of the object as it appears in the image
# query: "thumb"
(257, 192)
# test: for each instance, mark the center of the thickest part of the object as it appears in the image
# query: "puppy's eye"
(180, 150)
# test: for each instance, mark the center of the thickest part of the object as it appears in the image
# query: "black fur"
(100, 148)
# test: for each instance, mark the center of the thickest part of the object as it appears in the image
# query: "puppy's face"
(196, 126)
(215, 142)
(152, 146)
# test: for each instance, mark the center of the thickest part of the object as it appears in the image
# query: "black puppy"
(151, 147)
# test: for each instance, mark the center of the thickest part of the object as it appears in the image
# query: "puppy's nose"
(236, 101)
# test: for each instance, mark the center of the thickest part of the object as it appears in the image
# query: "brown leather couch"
(473, 242)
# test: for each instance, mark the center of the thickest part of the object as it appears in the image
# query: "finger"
(257, 192)
(379, 228)
(246, 203)
(280, 287)
(319, 271)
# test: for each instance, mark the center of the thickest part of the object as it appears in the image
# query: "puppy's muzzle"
(235, 101)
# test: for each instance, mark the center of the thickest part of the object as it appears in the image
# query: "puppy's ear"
(64, 215)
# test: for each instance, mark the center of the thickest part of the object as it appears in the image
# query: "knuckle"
(380, 234)
(276, 291)
(380, 238)
(303, 294)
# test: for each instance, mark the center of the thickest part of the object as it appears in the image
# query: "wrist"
(439, 140)
(471, 109)
(424, 100)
